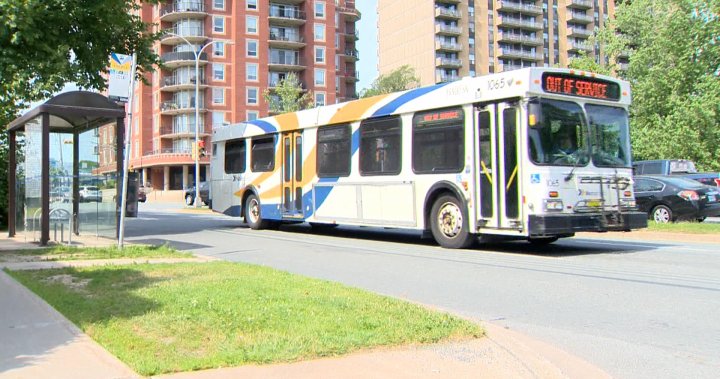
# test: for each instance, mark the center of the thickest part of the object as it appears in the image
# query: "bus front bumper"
(563, 224)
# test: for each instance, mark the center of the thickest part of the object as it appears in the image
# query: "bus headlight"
(628, 203)
(553, 205)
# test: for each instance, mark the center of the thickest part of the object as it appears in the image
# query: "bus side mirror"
(534, 115)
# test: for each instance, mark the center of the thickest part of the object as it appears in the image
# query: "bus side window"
(333, 151)
(263, 154)
(235, 156)
(380, 146)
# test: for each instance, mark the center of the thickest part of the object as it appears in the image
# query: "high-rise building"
(448, 39)
(247, 46)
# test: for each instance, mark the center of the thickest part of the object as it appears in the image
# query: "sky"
(367, 44)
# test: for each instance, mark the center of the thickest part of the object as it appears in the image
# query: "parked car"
(669, 198)
(90, 193)
(204, 194)
(141, 195)
(679, 167)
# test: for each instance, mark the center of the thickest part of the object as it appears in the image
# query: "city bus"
(535, 154)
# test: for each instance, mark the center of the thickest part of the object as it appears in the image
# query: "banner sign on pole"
(119, 78)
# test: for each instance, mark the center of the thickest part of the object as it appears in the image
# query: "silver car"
(90, 193)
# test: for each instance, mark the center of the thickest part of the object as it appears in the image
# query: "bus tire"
(449, 223)
(253, 217)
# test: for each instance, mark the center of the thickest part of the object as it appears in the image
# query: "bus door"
(292, 174)
(497, 188)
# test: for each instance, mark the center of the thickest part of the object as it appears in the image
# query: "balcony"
(518, 54)
(444, 78)
(579, 4)
(514, 22)
(351, 35)
(286, 41)
(351, 76)
(192, 34)
(520, 38)
(182, 58)
(441, 12)
(579, 32)
(508, 67)
(442, 62)
(286, 16)
(447, 46)
(448, 30)
(578, 46)
(182, 9)
(174, 84)
(286, 64)
(351, 55)
(580, 18)
(351, 14)
(511, 6)
(289, 2)
(171, 108)
(182, 131)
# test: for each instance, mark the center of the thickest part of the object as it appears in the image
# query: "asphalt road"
(635, 309)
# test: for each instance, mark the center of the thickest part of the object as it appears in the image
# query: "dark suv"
(204, 194)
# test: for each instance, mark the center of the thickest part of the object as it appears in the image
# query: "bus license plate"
(594, 203)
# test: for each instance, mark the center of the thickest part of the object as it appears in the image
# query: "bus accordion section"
(535, 154)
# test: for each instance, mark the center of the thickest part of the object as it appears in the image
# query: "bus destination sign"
(580, 86)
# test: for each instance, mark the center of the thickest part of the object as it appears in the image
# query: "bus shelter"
(55, 187)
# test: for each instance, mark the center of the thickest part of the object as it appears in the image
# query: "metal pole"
(128, 145)
(196, 203)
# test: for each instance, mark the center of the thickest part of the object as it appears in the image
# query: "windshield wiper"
(570, 174)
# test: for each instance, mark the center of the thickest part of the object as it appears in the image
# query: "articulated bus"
(536, 154)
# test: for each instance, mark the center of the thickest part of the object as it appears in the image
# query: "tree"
(45, 44)
(288, 96)
(400, 79)
(674, 67)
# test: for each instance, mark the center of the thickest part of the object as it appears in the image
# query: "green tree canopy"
(674, 65)
(400, 79)
(288, 96)
(45, 44)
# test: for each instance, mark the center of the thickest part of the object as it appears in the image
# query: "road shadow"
(566, 247)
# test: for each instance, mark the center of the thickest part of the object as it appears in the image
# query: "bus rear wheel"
(252, 214)
(449, 223)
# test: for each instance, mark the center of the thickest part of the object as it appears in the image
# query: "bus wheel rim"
(254, 211)
(450, 220)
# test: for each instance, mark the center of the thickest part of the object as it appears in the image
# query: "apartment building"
(246, 47)
(445, 40)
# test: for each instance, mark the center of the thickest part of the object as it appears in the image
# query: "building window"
(235, 156)
(219, 24)
(218, 71)
(333, 151)
(251, 4)
(218, 4)
(319, 55)
(319, 99)
(252, 48)
(380, 146)
(218, 119)
(252, 115)
(438, 141)
(251, 72)
(218, 95)
(219, 49)
(263, 154)
(319, 32)
(252, 95)
(251, 24)
(320, 77)
(319, 9)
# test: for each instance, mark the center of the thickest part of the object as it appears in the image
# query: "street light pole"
(196, 202)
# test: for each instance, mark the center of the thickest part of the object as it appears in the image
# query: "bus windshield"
(559, 134)
(611, 141)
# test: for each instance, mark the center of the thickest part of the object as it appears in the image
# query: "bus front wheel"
(252, 214)
(449, 223)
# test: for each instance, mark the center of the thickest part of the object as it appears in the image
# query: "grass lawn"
(189, 316)
(69, 253)
(684, 227)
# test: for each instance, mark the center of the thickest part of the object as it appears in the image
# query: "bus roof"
(505, 85)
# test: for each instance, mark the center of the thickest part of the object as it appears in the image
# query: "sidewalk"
(38, 342)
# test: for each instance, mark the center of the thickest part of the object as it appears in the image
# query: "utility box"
(131, 207)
